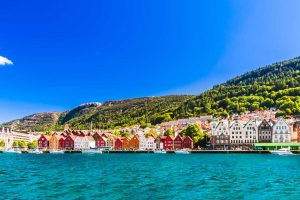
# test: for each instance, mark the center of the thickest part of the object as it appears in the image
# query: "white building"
(146, 143)
(150, 145)
(236, 132)
(84, 143)
(281, 132)
(78, 143)
(251, 132)
(7, 136)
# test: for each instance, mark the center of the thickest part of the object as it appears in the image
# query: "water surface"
(149, 176)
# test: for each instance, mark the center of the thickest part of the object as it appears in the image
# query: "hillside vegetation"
(36, 122)
(273, 86)
(123, 113)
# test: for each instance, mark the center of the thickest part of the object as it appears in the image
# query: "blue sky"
(65, 53)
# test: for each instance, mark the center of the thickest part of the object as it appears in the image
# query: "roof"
(90, 138)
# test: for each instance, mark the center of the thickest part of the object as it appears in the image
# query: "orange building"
(126, 142)
(53, 141)
(134, 142)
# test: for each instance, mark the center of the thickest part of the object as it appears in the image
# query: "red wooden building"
(187, 143)
(69, 142)
(178, 142)
(43, 142)
(168, 143)
(159, 141)
(101, 142)
(61, 142)
(118, 143)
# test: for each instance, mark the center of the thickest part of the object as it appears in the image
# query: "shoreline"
(172, 152)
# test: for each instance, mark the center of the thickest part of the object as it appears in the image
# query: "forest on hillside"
(274, 86)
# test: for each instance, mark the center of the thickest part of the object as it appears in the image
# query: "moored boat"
(182, 151)
(12, 151)
(161, 151)
(56, 152)
(283, 151)
(92, 152)
(34, 151)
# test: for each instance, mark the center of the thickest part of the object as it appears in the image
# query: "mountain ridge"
(273, 86)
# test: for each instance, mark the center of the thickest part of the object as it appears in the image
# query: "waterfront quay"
(173, 152)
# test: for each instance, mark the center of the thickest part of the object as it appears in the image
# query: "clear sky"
(67, 52)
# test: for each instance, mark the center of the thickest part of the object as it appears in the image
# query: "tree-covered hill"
(111, 114)
(276, 85)
(273, 86)
(124, 112)
(36, 122)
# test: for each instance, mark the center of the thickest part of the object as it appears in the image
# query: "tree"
(168, 132)
(152, 133)
(15, 144)
(32, 145)
(2, 143)
(125, 134)
(161, 118)
(22, 144)
(194, 131)
(117, 133)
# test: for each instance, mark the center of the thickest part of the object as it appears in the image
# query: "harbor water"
(149, 176)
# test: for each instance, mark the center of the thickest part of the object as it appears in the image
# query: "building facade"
(220, 137)
(281, 132)
(264, 132)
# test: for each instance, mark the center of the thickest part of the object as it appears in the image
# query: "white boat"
(283, 151)
(92, 152)
(36, 151)
(162, 151)
(12, 151)
(182, 151)
(56, 152)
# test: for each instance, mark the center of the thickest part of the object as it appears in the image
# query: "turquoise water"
(149, 176)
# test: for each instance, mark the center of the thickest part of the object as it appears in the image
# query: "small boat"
(92, 152)
(182, 151)
(162, 151)
(35, 151)
(12, 151)
(56, 152)
(283, 151)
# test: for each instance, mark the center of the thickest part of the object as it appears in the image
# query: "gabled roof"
(188, 138)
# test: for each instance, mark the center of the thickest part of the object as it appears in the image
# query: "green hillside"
(124, 113)
(276, 85)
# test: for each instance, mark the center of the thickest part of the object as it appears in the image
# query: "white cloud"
(5, 61)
